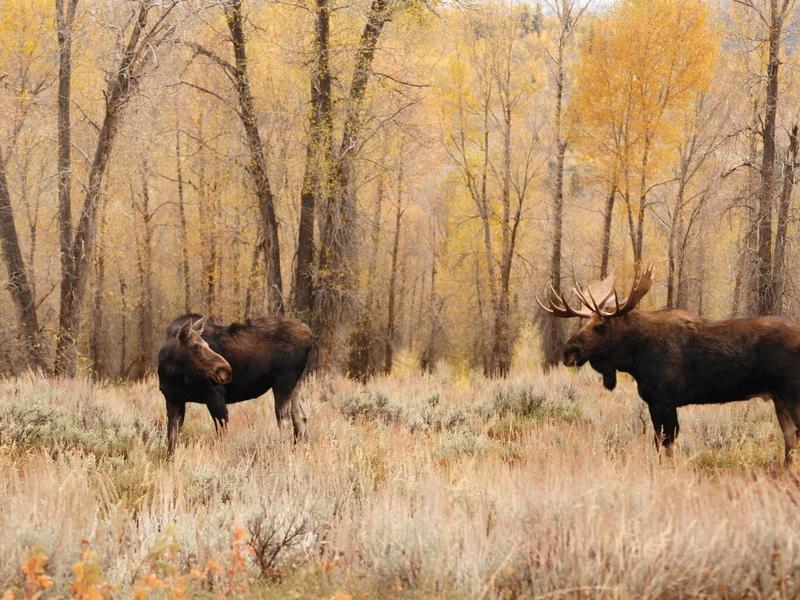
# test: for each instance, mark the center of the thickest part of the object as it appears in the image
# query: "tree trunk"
(501, 349)
(316, 178)
(404, 298)
(554, 331)
(123, 324)
(304, 261)
(258, 250)
(637, 259)
(64, 21)
(258, 163)
(98, 342)
(638, 244)
(764, 287)
(334, 282)
(235, 275)
(209, 232)
(375, 241)
(187, 273)
(608, 215)
(744, 273)
(33, 220)
(73, 287)
(779, 263)
(675, 239)
(428, 358)
(213, 259)
(18, 282)
(390, 319)
(480, 345)
(744, 302)
(146, 283)
(681, 276)
(701, 280)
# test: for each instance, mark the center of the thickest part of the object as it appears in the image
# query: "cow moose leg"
(788, 427)
(288, 404)
(665, 424)
(176, 412)
(283, 394)
(219, 413)
(299, 417)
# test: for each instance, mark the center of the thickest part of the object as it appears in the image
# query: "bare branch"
(400, 81)
(202, 50)
(206, 91)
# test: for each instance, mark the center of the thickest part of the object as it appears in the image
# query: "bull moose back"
(677, 358)
(217, 365)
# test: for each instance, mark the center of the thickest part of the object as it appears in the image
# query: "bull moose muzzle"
(573, 356)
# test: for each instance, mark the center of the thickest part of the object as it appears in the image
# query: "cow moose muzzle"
(222, 374)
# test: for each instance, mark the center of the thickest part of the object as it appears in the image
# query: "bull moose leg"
(176, 412)
(665, 424)
(788, 427)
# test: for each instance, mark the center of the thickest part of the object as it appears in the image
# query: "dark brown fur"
(679, 359)
(262, 354)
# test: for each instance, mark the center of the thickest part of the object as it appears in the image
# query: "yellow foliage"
(640, 67)
(239, 551)
(36, 580)
(494, 65)
(88, 582)
(25, 25)
(164, 579)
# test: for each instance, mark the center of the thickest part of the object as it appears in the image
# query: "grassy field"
(536, 486)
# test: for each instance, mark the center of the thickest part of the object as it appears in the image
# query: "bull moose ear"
(184, 331)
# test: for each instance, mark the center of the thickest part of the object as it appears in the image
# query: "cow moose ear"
(199, 325)
(185, 331)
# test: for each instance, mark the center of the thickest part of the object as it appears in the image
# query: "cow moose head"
(607, 340)
(194, 356)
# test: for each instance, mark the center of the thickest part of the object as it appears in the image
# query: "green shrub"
(460, 444)
(373, 405)
(35, 423)
(527, 398)
(521, 398)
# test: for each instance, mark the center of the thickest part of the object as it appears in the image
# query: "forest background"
(403, 175)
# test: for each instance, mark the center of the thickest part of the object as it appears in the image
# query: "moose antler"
(640, 287)
(559, 307)
(594, 298)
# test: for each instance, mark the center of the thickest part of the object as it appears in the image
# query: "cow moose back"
(218, 365)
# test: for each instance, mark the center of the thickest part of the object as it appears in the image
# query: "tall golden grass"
(536, 486)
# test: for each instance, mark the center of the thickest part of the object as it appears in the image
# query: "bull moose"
(677, 358)
(218, 365)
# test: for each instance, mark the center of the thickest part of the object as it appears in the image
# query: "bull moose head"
(607, 340)
(197, 359)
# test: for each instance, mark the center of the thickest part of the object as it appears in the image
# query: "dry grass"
(414, 487)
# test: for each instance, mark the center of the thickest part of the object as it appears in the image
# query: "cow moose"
(218, 365)
(677, 358)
